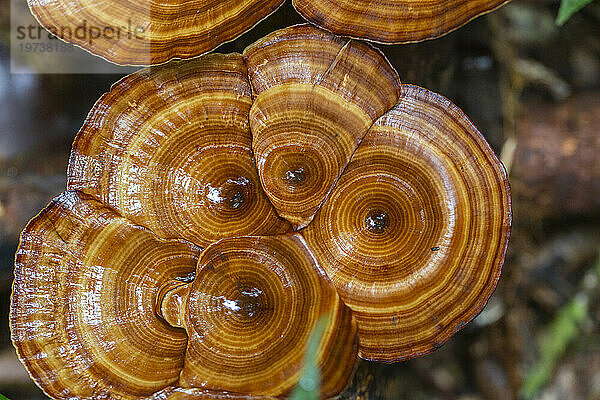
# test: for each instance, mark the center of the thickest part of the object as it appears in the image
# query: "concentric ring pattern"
(146, 32)
(178, 393)
(415, 231)
(82, 308)
(316, 183)
(312, 107)
(393, 21)
(170, 149)
(250, 313)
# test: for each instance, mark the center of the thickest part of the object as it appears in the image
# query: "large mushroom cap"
(170, 148)
(316, 96)
(83, 316)
(250, 312)
(414, 233)
(410, 214)
(393, 21)
(144, 32)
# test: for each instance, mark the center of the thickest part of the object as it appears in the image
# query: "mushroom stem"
(171, 302)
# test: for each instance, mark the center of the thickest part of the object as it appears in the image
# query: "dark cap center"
(235, 199)
(377, 221)
(249, 301)
(295, 176)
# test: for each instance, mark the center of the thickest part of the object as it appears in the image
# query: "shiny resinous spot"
(248, 303)
(377, 221)
(188, 278)
(235, 200)
(295, 176)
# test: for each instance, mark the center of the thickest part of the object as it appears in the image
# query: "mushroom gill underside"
(216, 209)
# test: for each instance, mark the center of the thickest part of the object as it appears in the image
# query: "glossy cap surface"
(169, 148)
(82, 311)
(393, 21)
(316, 96)
(250, 312)
(405, 207)
(415, 231)
(145, 32)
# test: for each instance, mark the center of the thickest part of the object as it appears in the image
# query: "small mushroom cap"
(414, 234)
(316, 96)
(170, 148)
(82, 312)
(150, 32)
(393, 21)
(250, 312)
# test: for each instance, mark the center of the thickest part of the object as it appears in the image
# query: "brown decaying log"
(556, 170)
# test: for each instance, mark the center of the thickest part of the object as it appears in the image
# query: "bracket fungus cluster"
(145, 32)
(217, 208)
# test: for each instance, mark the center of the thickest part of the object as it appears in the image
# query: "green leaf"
(568, 8)
(553, 345)
(309, 386)
(556, 338)
(2, 397)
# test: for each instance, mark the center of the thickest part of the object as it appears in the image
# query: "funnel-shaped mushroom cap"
(250, 312)
(393, 21)
(170, 149)
(315, 98)
(140, 32)
(83, 316)
(414, 234)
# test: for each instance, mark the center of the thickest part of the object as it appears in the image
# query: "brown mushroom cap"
(316, 96)
(179, 393)
(411, 217)
(82, 310)
(393, 21)
(150, 32)
(414, 233)
(145, 33)
(250, 312)
(170, 148)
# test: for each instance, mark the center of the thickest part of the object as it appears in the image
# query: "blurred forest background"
(532, 88)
